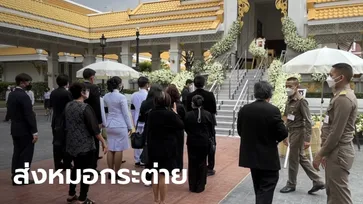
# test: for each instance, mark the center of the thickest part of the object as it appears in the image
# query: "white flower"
(181, 78)
(215, 73)
(258, 52)
(319, 77)
(161, 76)
(293, 39)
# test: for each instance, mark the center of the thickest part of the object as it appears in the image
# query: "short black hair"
(62, 80)
(155, 90)
(142, 82)
(293, 79)
(263, 90)
(88, 73)
(76, 89)
(199, 81)
(22, 78)
(113, 83)
(344, 69)
(189, 81)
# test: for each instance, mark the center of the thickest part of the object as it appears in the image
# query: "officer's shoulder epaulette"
(343, 93)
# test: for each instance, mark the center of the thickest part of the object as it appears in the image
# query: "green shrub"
(39, 89)
(145, 66)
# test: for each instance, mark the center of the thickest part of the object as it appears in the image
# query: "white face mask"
(290, 91)
(86, 95)
(331, 82)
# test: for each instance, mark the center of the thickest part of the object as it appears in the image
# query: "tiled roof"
(48, 11)
(172, 5)
(326, 1)
(70, 6)
(17, 51)
(346, 11)
(186, 27)
(122, 18)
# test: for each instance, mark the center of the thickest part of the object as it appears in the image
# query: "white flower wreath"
(228, 41)
(294, 40)
(256, 51)
(161, 76)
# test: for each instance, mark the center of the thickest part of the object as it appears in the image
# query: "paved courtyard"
(230, 185)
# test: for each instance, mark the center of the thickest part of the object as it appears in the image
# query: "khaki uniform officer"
(337, 152)
(299, 126)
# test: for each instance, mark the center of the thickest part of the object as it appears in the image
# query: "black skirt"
(47, 103)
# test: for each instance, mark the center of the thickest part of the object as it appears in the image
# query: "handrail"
(243, 96)
(236, 68)
(215, 90)
(259, 68)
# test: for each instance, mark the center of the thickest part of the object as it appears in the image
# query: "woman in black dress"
(163, 127)
(173, 91)
(199, 126)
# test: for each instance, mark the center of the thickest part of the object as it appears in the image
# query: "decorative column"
(126, 55)
(66, 68)
(53, 68)
(89, 57)
(246, 16)
(230, 14)
(175, 55)
(155, 58)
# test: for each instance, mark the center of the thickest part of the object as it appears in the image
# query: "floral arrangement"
(256, 51)
(198, 67)
(215, 72)
(228, 41)
(161, 76)
(274, 71)
(316, 118)
(359, 123)
(293, 39)
(181, 78)
(319, 77)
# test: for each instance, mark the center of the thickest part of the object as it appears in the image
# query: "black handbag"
(137, 140)
(145, 155)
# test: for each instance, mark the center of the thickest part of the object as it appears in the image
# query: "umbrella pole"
(321, 105)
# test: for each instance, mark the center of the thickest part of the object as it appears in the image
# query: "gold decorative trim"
(243, 7)
(282, 5)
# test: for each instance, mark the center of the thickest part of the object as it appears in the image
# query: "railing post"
(229, 91)
(233, 123)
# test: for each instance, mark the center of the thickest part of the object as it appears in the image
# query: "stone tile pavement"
(243, 192)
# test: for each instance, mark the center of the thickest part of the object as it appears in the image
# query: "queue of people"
(162, 117)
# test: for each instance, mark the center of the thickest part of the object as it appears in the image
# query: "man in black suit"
(261, 129)
(208, 105)
(23, 125)
(94, 101)
(186, 91)
(58, 101)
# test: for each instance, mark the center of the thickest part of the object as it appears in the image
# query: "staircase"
(226, 105)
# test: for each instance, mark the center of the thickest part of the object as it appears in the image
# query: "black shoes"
(287, 189)
(211, 172)
(139, 164)
(316, 188)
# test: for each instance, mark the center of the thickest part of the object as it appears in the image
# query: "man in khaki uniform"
(299, 125)
(337, 151)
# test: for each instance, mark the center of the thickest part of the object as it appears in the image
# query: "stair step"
(222, 131)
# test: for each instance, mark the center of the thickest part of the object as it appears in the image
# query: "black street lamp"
(137, 48)
(103, 45)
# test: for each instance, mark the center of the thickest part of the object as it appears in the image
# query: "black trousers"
(23, 152)
(81, 162)
(197, 168)
(180, 151)
(211, 157)
(62, 160)
(96, 153)
(264, 183)
(7, 117)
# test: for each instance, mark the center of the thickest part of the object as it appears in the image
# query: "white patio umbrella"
(107, 69)
(321, 61)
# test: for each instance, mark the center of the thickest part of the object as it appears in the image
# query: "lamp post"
(103, 45)
(137, 47)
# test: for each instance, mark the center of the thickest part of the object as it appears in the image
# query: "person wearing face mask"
(299, 125)
(186, 90)
(58, 101)
(95, 102)
(117, 123)
(23, 125)
(337, 151)
(82, 127)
